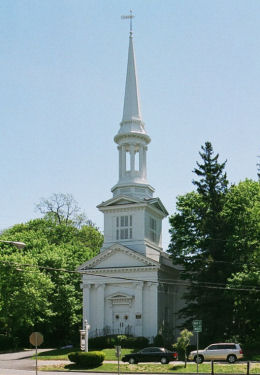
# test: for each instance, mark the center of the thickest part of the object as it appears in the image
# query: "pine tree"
(198, 243)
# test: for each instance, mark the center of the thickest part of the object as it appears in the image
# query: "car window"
(213, 347)
(146, 350)
(228, 346)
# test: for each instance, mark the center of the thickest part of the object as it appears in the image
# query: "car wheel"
(132, 361)
(164, 361)
(198, 359)
(231, 358)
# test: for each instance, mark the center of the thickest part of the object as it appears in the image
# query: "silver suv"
(222, 351)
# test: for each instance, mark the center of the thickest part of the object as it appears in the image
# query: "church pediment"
(157, 204)
(118, 256)
(120, 299)
(122, 200)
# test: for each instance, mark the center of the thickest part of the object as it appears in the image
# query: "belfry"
(130, 287)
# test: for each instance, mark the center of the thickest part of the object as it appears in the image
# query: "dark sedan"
(151, 355)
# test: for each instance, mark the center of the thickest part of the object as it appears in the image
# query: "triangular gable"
(119, 201)
(157, 203)
(118, 256)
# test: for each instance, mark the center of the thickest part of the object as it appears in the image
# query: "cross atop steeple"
(129, 16)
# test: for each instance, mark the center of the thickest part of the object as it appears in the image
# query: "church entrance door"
(120, 322)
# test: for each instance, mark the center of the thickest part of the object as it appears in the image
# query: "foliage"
(39, 288)
(87, 358)
(242, 213)
(158, 340)
(183, 342)
(215, 236)
(124, 341)
(6, 343)
(198, 243)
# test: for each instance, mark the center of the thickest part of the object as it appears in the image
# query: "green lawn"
(158, 368)
(62, 354)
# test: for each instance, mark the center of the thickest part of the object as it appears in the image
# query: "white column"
(86, 302)
(141, 156)
(132, 159)
(100, 307)
(144, 161)
(139, 309)
(154, 307)
(123, 153)
(120, 160)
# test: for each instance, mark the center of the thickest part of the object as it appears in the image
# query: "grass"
(158, 368)
(62, 354)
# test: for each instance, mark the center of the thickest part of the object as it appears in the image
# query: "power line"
(208, 285)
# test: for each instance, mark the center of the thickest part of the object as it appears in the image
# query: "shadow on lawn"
(73, 366)
(176, 367)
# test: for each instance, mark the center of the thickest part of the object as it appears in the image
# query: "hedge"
(87, 358)
(6, 342)
(124, 341)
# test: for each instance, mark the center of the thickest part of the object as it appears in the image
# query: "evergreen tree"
(198, 243)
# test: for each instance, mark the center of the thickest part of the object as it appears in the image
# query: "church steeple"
(131, 102)
(132, 138)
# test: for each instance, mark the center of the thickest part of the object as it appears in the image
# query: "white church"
(131, 287)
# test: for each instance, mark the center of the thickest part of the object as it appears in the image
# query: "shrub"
(6, 342)
(122, 340)
(87, 359)
(102, 342)
(158, 340)
(135, 342)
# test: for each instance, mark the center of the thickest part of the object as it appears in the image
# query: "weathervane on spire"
(129, 16)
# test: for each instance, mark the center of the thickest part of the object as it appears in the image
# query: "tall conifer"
(198, 243)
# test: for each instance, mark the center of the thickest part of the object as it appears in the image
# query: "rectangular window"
(152, 229)
(124, 229)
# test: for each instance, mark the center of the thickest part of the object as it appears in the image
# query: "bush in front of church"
(88, 359)
(110, 341)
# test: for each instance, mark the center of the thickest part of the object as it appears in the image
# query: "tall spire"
(131, 102)
(132, 138)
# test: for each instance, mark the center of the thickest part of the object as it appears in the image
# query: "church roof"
(100, 262)
(126, 200)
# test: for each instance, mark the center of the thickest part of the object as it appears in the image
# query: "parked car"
(222, 351)
(151, 355)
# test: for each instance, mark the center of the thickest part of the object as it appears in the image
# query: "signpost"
(36, 339)
(118, 354)
(197, 327)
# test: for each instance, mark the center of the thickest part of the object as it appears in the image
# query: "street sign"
(197, 325)
(118, 351)
(36, 339)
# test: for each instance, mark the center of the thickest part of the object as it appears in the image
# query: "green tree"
(198, 243)
(242, 214)
(56, 249)
(24, 295)
(183, 341)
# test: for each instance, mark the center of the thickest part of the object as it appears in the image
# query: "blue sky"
(63, 67)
